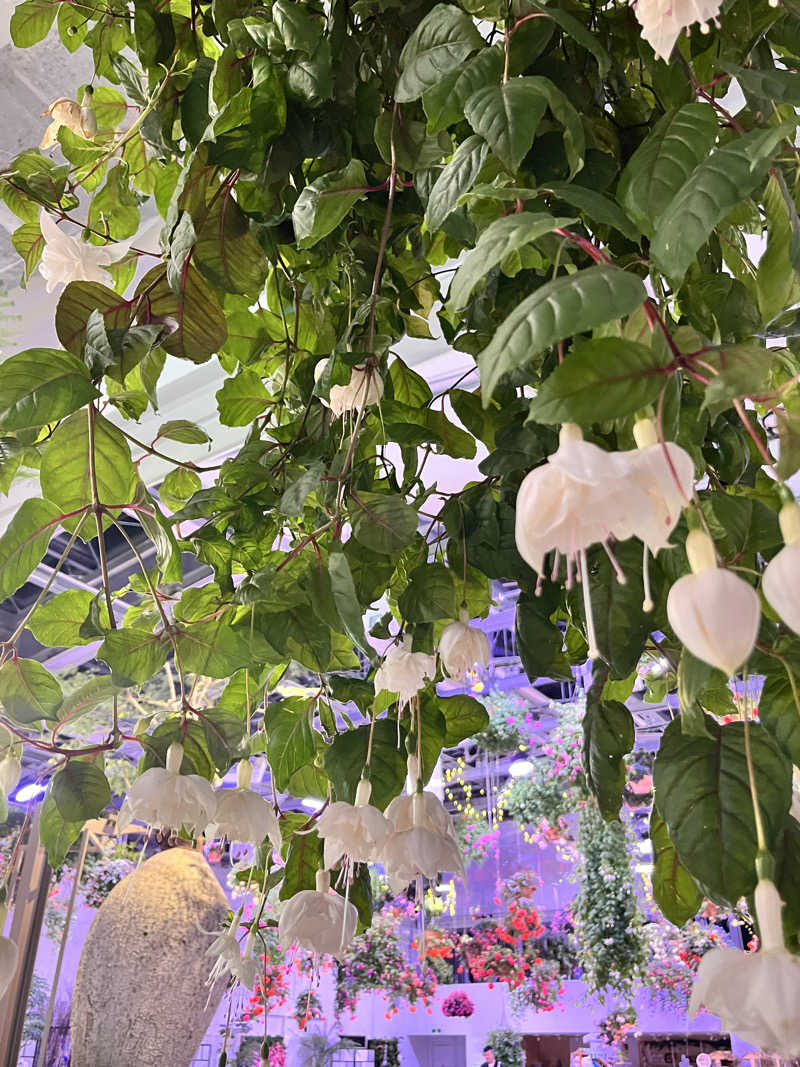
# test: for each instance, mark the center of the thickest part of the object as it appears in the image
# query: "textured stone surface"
(140, 993)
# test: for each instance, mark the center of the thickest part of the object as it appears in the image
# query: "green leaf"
(432, 594)
(28, 241)
(300, 29)
(779, 710)
(87, 697)
(294, 497)
(77, 303)
(134, 654)
(598, 207)
(31, 22)
(310, 78)
(575, 29)
(290, 739)
(213, 648)
(58, 621)
(410, 426)
(507, 116)
(703, 795)
(498, 240)
(621, 624)
(201, 330)
(227, 251)
(65, 476)
(188, 433)
(675, 891)
(303, 860)
(346, 601)
(409, 387)
(56, 834)
(694, 677)
(602, 379)
(464, 717)
(323, 204)
(608, 736)
(28, 692)
(773, 84)
(242, 399)
(777, 282)
(560, 308)
(563, 111)
(678, 142)
(24, 543)
(540, 641)
(383, 523)
(177, 487)
(440, 43)
(80, 791)
(42, 385)
(444, 102)
(715, 188)
(346, 757)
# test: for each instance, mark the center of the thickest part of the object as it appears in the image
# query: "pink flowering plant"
(617, 1025)
(457, 1006)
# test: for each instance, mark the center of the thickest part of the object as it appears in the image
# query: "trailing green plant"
(315, 170)
(507, 1045)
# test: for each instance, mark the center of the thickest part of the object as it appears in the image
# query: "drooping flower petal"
(364, 388)
(244, 815)
(356, 831)
(781, 581)
(165, 798)
(713, 612)
(404, 672)
(663, 20)
(318, 920)
(80, 119)
(755, 994)
(462, 648)
(663, 472)
(68, 259)
(10, 770)
(423, 841)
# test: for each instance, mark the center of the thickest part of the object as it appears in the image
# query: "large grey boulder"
(140, 993)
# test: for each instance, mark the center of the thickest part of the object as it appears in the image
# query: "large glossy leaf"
(31, 22)
(303, 860)
(65, 475)
(28, 692)
(77, 303)
(42, 385)
(134, 654)
(777, 283)
(712, 190)
(444, 101)
(24, 542)
(599, 208)
(464, 717)
(440, 43)
(579, 32)
(507, 116)
(558, 309)
(55, 832)
(58, 621)
(227, 251)
(608, 736)
(775, 84)
(694, 677)
(600, 380)
(703, 795)
(323, 204)
(663, 162)
(198, 328)
(433, 593)
(345, 759)
(779, 709)
(456, 179)
(675, 891)
(498, 240)
(383, 523)
(213, 648)
(290, 739)
(539, 640)
(346, 602)
(241, 399)
(80, 791)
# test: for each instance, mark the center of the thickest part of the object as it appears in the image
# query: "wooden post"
(29, 903)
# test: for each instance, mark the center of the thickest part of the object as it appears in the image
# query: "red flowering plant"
(307, 1008)
(457, 1006)
(272, 987)
(617, 1025)
(675, 955)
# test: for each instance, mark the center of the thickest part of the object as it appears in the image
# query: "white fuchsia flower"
(317, 920)
(462, 647)
(10, 770)
(404, 672)
(356, 832)
(663, 20)
(68, 259)
(755, 994)
(663, 472)
(229, 956)
(9, 955)
(364, 388)
(244, 815)
(164, 798)
(713, 612)
(423, 843)
(781, 581)
(80, 119)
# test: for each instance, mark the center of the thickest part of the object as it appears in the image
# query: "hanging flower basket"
(457, 1006)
